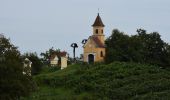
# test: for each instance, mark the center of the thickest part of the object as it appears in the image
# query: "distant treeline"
(141, 48)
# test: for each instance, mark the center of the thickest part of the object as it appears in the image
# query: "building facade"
(94, 48)
(54, 60)
(59, 59)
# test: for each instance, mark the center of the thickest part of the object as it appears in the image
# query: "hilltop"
(118, 80)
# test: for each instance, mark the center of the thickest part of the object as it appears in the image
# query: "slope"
(118, 80)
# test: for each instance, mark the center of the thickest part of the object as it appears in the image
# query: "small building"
(27, 67)
(59, 59)
(64, 59)
(94, 48)
(54, 60)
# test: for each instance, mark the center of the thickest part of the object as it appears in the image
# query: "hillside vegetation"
(117, 80)
(142, 47)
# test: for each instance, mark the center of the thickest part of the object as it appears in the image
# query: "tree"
(13, 83)
(74, 45)
(141, 48)
(117, 47)
(48, 53)
(153, 47)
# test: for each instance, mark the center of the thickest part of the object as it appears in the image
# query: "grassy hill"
(118, 80)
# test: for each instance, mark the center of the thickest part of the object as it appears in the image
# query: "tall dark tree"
(13, 84)
(117, 47)
(142, 48)
(152, 47)
(74, 46)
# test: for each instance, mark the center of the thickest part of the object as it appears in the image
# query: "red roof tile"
(63, 54)
(98, 42)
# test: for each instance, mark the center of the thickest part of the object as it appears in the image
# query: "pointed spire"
(98, 21)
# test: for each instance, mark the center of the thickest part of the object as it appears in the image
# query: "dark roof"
(61, 54)
(52, 56)
(98, 21)
(98, 42)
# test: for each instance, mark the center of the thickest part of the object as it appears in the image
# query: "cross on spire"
(98, 10)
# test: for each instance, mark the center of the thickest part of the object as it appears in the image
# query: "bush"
(143, 48)
(118, 80)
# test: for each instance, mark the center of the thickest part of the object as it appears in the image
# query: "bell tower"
(98, 28)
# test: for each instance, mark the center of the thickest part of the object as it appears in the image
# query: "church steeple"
(98, 28)
(98, 21)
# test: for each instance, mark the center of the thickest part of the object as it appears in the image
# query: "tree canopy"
(13, 84)
(142, 48)
(46, 55)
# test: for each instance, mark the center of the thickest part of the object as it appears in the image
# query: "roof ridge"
(98, 42)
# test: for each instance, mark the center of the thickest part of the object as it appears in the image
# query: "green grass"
(48, 93)
(118, 80)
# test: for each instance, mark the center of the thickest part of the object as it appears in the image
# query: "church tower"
(94, 48)
(98, 29)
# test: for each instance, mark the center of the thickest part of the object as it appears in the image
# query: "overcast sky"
(37, 25)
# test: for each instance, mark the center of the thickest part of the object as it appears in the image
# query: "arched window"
(96, 31)
(101, 54)
(102, 31)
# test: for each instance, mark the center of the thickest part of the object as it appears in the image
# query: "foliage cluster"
(13, 84)
(118, 80)
(46, 55)
(141, 48)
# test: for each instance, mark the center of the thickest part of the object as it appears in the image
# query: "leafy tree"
(13, 84)
(153, 47)
(117, 47)
(142, 48)
(48, 53)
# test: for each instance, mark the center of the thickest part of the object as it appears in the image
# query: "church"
(94, 48)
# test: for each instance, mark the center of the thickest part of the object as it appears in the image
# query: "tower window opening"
(101, 54)
(102, 31)
(96, 31)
